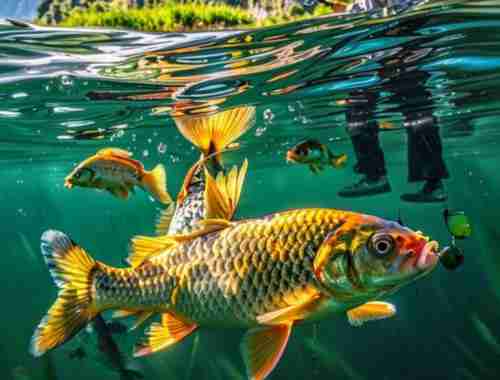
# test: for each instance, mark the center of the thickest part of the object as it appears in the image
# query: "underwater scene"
(314, 200)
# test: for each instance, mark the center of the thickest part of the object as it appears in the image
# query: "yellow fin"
(262, 348)
(213, 133)
(211, 225)
(297, 312)
(222, 194)
(141, 318)
(162, 335)
(71, 269)
(163, 223)
(145, 247)
(156, 183)
(117, 152)
(370, 311)
(123, 313)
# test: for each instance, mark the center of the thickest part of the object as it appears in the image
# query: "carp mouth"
(429, 256)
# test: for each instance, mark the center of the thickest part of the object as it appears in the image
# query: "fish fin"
(338, 161)
(156, 182)
(142, 317)
(215, 132)
(297, 312)
(71, 269)
(370, 311)
(164, 220)
(223, 193)
(119, 192)
(145, 247)
(123, 313)
(314, 168)
(262, 348)
(116, 152)
(162, 335)
(211, 225)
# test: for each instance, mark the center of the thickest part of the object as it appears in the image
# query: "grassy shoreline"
(173, 16)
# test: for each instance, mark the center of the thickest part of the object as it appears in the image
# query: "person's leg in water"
(363, 132)
(425, 151)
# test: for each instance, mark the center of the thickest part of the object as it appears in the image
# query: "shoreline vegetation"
(176, 15)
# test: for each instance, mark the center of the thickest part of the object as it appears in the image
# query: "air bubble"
(162, 148)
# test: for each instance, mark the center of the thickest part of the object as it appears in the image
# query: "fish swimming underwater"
(113, 170)
(211, 134)
(265, 275)
(315, 154)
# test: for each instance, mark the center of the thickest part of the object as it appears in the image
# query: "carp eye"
(382, 245)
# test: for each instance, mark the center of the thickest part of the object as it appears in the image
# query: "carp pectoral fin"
(292, 313)
(222, 194)
(114, 152)
(263, 347)
(162, 335)
(370, 311)
(119, 192)
(145, 247)
(164, 220)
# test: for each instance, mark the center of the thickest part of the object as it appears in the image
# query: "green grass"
(168, 17)
(175, 16)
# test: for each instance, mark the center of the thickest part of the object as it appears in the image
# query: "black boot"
(366, 187)
(432, 191)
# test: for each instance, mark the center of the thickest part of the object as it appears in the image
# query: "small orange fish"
(113, 170)
(315, 154)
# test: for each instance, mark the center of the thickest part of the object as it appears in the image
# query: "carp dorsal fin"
(117, 152)
(222, 194)
(163, 222)
(193, 170)
(145, 247)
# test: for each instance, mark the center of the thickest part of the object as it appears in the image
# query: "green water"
(67, 93)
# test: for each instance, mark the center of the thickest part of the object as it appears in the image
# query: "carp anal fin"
(162, 335)
(262, 348)
(370, 311)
